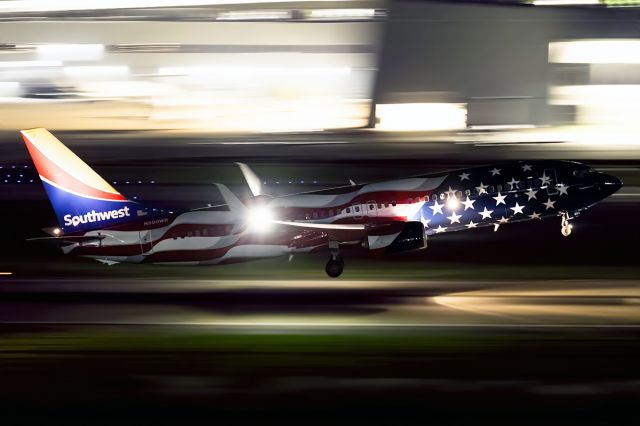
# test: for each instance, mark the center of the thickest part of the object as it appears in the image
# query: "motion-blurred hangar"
(541, 67)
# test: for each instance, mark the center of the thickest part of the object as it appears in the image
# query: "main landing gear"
(566, 227)
(335, 265)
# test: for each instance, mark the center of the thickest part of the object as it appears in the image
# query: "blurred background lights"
(420, 116)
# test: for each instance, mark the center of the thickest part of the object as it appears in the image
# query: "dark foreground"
(159, 375)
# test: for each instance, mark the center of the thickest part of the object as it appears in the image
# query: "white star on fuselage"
(513, 182)
(531, 193)
(468, 203)
(549, 204)
(500, 199)
(482, 189)
(503, 220)
(534, 215)
(517, 208)
(545, 179)
(464, 176)
(471, 224)
(437, 208)
(495, 171)
(526, 167)
(486, 214)
(563, 189)
(440, 229)
(454, 218)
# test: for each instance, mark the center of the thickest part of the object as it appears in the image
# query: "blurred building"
(249, 66)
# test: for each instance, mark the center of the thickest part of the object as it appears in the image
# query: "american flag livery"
(398, 215)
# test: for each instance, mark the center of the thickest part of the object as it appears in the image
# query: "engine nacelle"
(412, 237)
(397, 237)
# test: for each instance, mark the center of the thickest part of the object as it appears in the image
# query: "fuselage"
(443, 202)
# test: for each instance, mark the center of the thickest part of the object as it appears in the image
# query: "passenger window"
(356, 209)
(417, 199)
(330, 212)
(315, 215)
(386, 204)
(467, 192)
(522, 185)
(434, 197)
(371, 206)
(205, 232)
(458, 194)
(189, 234)
(198, 233)
(348, 210)
(393, 203)
(492, 189)
(409, 200)
(442, 196)
(507, 187)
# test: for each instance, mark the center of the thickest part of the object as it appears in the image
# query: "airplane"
(96, 221)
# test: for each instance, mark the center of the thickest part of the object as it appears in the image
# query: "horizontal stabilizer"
(67, 239)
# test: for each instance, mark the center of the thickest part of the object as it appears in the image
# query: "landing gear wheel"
(334, 267)
(566, 225)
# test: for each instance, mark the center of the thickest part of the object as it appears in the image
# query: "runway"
(344, 306)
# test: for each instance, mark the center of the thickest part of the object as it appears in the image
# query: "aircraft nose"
(609, 184)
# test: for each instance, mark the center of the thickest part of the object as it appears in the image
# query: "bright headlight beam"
(260, 219)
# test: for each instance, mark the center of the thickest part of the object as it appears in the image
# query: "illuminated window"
(442, 196)
(417, 199)
(467, 192)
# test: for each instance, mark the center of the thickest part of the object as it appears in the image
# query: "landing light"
(56, 231)
(260, 219)
(453, 203)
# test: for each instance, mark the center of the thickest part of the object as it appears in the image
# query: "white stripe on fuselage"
(327, 201)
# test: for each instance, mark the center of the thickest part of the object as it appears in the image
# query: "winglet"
(252, 179)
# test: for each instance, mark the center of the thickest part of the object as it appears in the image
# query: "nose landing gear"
(335, 265)
(566, 227)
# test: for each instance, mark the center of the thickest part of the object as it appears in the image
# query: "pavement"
(346, 306)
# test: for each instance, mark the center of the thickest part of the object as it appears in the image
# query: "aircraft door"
(372, 209)
(551, 186)
(146, 245)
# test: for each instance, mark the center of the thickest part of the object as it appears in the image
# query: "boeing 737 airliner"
(96, 221)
